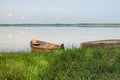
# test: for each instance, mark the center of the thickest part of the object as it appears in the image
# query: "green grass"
(71, 64)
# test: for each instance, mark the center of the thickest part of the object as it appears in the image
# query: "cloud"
(23, 17)
(10, 14)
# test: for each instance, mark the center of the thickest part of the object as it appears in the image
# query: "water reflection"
(18, 38)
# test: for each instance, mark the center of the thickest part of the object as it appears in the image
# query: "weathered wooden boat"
(37, 45)
(111, 43)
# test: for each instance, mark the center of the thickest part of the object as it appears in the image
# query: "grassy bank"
(71, 64)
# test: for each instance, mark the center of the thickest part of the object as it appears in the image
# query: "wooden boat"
(111, 43)
(37, 45)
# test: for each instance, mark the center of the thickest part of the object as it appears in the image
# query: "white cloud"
(10, 14)
(23, 17)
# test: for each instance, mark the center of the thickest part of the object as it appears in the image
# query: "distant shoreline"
(63, 25)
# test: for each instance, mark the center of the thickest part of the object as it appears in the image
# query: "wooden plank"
(111, 43)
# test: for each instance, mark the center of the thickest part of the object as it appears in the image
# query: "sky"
(59, 11)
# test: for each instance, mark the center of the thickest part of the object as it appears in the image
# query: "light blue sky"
(59, 11)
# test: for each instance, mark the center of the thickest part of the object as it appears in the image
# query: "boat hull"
(113, 43)
(42, 45)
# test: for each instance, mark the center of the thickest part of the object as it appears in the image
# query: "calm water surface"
(18, 38)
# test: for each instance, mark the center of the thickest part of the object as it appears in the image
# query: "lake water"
(18, 38)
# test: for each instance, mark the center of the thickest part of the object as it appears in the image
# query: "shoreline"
(68, 64)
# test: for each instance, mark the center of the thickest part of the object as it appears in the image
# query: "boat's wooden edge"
(41, 48)
(114, 43)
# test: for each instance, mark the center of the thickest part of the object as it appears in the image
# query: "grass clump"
(70, 64)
